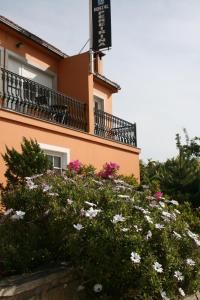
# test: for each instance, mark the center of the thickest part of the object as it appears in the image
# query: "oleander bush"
(121, 242)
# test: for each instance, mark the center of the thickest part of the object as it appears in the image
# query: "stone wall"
(51, 284)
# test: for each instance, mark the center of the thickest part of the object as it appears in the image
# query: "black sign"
(101, 24)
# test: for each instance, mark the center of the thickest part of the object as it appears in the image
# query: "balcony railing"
(114, 128)
(31, 98)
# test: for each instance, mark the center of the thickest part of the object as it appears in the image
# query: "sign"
(101, 24)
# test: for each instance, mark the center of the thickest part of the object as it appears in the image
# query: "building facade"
(62, 102)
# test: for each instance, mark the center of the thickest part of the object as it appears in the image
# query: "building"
(61, 102)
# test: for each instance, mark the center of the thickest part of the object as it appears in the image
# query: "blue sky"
(155, 58)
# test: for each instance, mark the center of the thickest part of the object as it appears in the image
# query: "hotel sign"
(101, 24)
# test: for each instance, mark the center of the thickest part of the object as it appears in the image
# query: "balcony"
(31, 98)
(28, 97)
(114, 128)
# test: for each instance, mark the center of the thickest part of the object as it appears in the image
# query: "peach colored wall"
(75, 81)
(85, 147)
(104, 93)
(32, 52)
(73, 76)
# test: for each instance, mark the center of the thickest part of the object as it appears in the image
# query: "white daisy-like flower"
(162, 204)
(154, 204)
(118, 218)
(46, 187)
(69, 201)
(19, 215)
(149, 219)
(90, 203)
(190, 262)
(135, 257)
(177, 235)
(197, 241)
(174, 202)
(97, 288)
(164, 295)
(178, 275)
(91, 212)
(125, 229)
(8, 212)
(149, 235)
(166, 214)
(181, 291)
(124, 196)
(158, 267)
(137, 228)
(159, 226)
(78, 226)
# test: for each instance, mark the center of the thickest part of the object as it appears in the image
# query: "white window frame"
(64, 153)
(34, 65)
(1, 57)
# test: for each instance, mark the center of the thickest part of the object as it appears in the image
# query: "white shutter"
(14, 65)
(37, 76)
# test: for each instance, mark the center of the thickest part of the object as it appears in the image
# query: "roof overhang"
(31, 36)
(114, 87)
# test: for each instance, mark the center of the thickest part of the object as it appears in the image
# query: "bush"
(31, 160)
(121, 243)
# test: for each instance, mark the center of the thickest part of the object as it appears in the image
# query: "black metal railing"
(114, 128)
(31, 98)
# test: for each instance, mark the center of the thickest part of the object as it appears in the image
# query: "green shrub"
(122, 243)
(31, 160)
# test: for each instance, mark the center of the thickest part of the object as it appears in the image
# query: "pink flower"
(75, 165)
(158, 195)
(109, 170)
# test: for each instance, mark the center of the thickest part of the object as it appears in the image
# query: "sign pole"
(91, 67)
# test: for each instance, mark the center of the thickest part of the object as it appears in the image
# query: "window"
(59, 156)
(98, 103)
(56, 161)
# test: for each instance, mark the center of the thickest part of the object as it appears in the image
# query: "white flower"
(194, 236)
(174, 202)
(190, 262)
(158, 267)
(178, 275)
(166, 214)
(91, 212)
(97, 288)
(118, 218)
(135, 257)
(159, 226)
(177, 211)
(78, 226)
(137, 228)
(149, 235)
(164, 295)
(162, 204)
(31, 185)
(154, 204)
(149, 219)
(181, 291)
(8, 211)
(46, 187)
(125, 229)
(80, 288)
(90, 203)
(177, 235)
(69, 201)
(19, 215)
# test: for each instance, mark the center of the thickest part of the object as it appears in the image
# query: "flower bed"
(122, 243)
